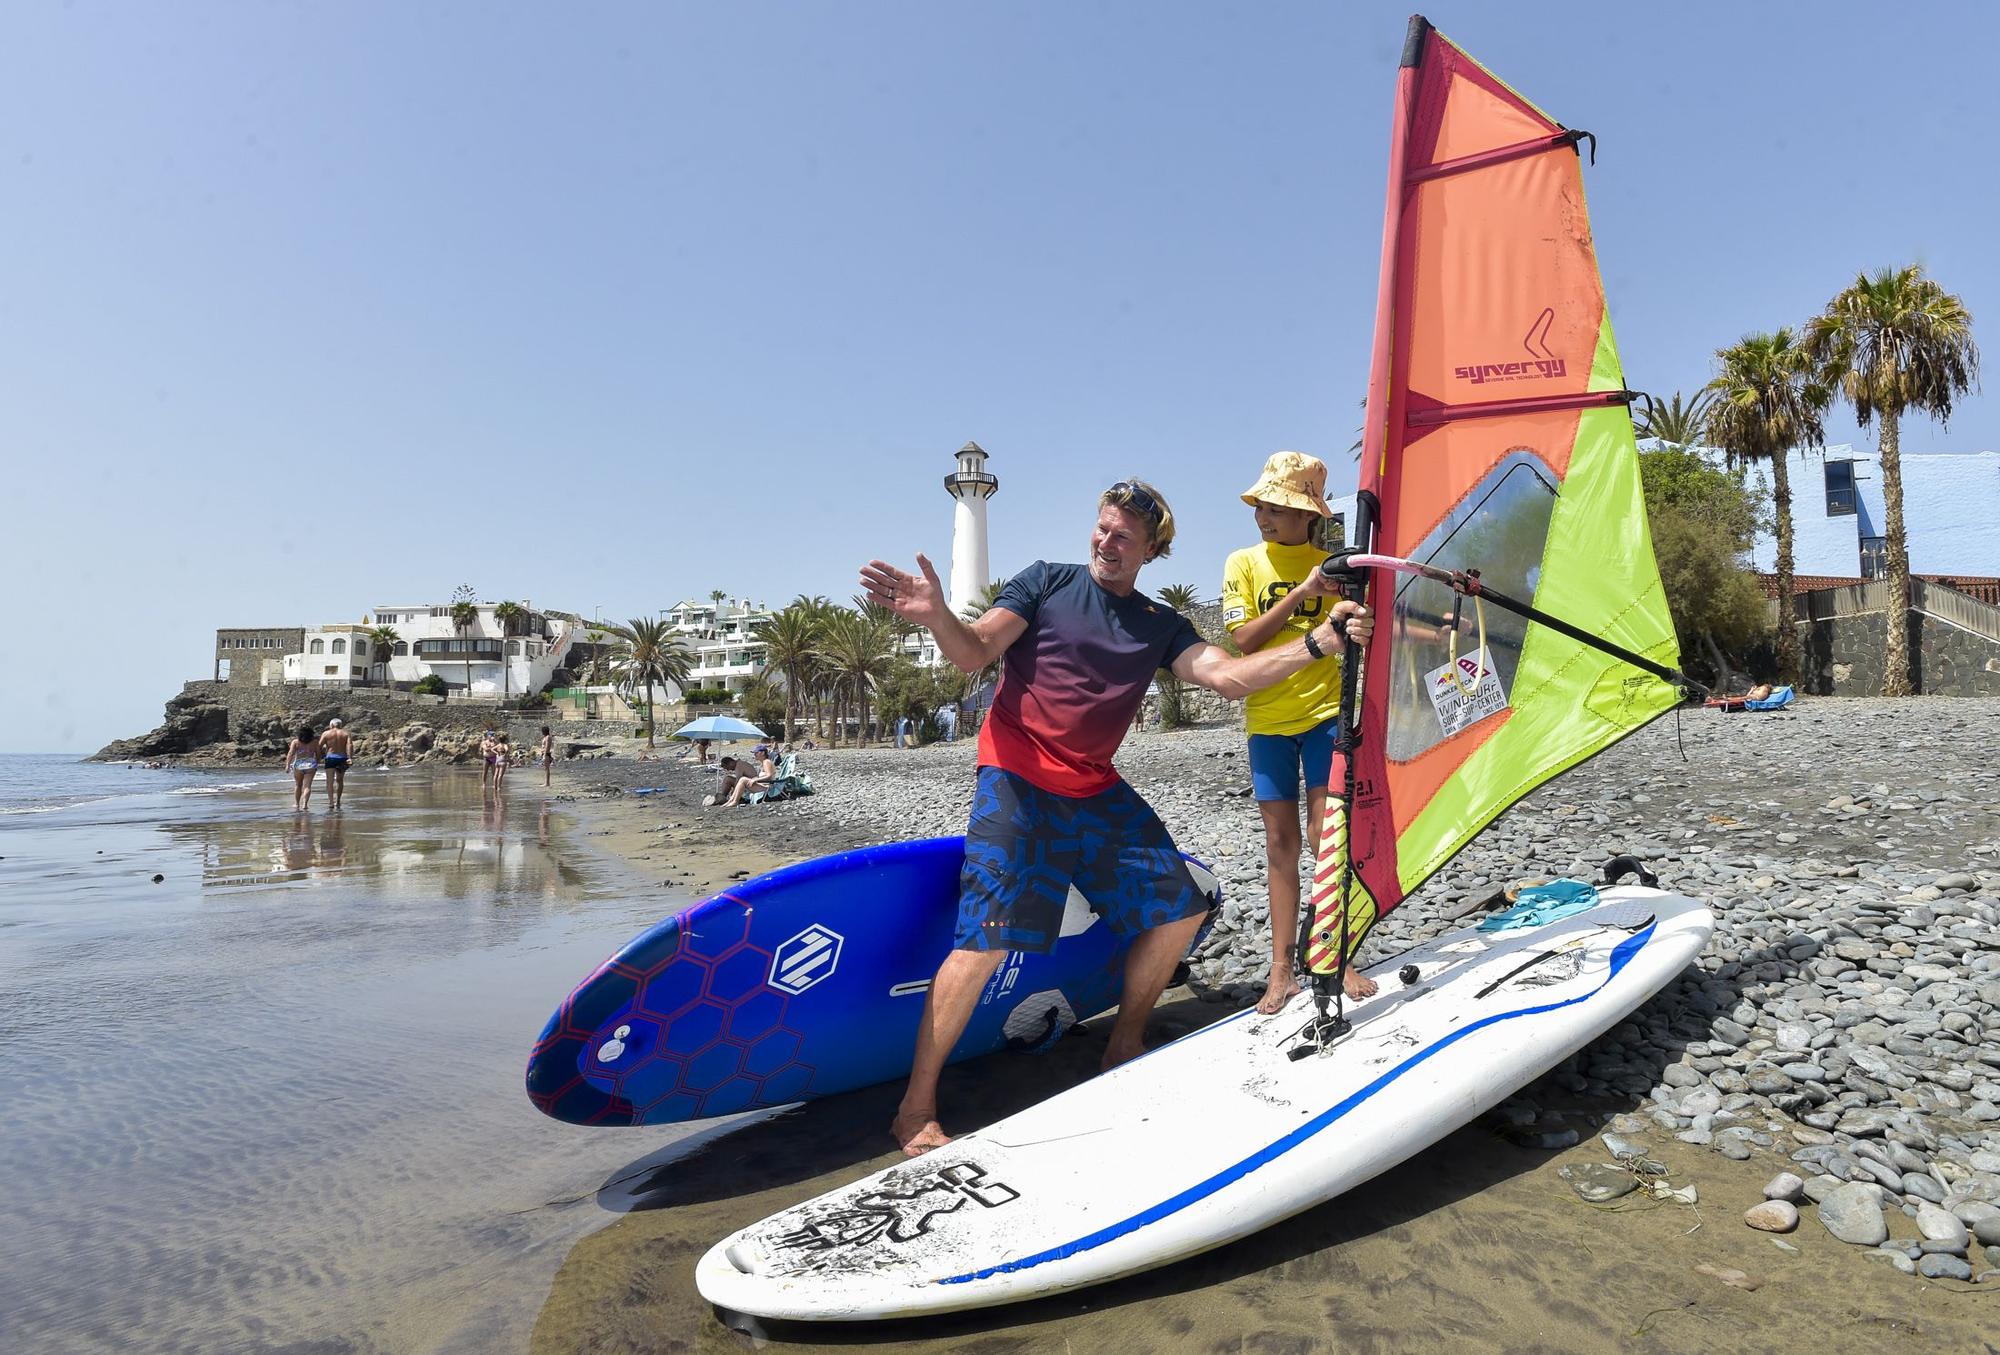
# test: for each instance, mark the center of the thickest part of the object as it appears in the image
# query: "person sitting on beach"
(1272, 593)
(302, 756)
(766, 771)
(1079, 643)
(547, 750)
(336, 748)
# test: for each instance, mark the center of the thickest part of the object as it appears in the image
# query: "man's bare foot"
(1115, 1054)
(917, 1134)
(1283, 987)
(1357, 984)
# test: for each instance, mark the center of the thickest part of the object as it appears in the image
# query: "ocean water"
(271, 1100)
(37, 783)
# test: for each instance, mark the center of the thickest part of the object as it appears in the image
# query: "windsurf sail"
(1500, 532)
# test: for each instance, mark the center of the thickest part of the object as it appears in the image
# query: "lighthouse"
(971, 485)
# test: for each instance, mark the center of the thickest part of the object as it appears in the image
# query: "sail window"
(1500, 529)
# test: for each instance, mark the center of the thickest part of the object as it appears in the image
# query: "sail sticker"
(1466, 692)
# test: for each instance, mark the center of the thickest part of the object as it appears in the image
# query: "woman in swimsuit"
(302, 756)
(503, 758)
(548, 751)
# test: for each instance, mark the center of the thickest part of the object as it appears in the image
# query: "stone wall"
(221, 723)
(1843, 656)
(246, 647)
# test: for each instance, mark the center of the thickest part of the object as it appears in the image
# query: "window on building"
(1839, 489)
(317, 647)
(401, 650)
(340, 646)
(1874, 556)
(332, 670)
(222, 671)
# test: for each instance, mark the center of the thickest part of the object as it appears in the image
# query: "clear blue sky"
(307, 308)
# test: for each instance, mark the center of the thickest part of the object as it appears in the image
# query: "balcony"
(458, 651)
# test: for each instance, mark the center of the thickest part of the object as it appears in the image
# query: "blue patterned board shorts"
(1026, 846)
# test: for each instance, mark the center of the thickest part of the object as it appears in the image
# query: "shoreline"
(1800, 851)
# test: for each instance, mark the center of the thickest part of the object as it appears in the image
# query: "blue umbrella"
(720, 729)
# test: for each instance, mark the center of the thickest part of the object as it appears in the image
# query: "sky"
(311, 308)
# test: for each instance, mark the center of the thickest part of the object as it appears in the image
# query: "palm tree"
(791, 640)
(463, 615)
(859, 651)
(1893, 342)
(1676, 424)
(654, 655)
(1768, 401)
(716, 595)
(509, 615)
(972, 611)
(1173, 713)
(383, 639)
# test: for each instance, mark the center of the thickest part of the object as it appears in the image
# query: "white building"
(339, 655)
(723, 636)
(480, 658)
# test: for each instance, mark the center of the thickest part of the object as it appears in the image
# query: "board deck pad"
(800, 983)
(1214, 1136)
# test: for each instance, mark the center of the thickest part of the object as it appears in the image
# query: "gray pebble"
(1788, 1187)
(1941, 1266)
(1853, 1213)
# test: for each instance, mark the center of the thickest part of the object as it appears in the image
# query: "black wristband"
(1312, 647)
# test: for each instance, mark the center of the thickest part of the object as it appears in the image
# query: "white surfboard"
(1214, 1136)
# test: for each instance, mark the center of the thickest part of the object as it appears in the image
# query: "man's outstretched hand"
(914, 597)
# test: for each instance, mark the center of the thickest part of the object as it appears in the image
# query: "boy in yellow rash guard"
(1273, 592)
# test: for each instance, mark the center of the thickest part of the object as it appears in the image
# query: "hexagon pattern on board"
(723, 1024)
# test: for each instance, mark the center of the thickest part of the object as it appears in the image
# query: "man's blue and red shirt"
(1071, 683)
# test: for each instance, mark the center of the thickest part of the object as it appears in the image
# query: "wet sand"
(1476, 1244)
(273, 1102)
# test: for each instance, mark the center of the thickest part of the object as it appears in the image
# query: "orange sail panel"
(1497, 440)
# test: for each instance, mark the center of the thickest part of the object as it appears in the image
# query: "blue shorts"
(1276, 760)
(1025, 847)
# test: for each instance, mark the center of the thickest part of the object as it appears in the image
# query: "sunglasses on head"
(1130, 495)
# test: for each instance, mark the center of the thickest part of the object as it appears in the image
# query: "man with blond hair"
(1079, 644)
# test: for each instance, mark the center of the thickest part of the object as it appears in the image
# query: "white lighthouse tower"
(971, 485)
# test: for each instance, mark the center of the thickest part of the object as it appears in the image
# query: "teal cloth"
(1540, 904)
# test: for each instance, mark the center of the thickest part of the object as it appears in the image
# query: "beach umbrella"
(720, 729)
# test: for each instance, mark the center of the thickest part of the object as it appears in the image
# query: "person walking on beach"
(302, 756)
(1079, 643)
(336, 748)
(547, 751)
(1272, 593)
(487, 748)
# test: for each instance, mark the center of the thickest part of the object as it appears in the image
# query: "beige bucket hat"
(1291, 480)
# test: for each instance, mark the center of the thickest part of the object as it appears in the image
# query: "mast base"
(1319, 1037)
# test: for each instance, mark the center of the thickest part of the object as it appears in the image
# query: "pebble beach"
(1817, 1098)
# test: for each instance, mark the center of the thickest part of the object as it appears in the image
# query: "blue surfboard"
(804, 982)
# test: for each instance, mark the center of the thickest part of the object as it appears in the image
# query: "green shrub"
(430, 685)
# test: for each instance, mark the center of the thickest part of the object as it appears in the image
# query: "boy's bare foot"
(1283, 987)
(1357, 984)
(917, 1134)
